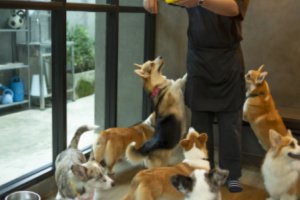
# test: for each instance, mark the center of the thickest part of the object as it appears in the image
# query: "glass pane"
(131, 2)
(130, 86)
(25, 107)
(86, 72)
(88, 1)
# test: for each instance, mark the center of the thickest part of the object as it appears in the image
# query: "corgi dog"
(170, 110)
(259, 108)
(155, 184)
(281, 167)
(201, 184)
(75, 177)
(111, 143)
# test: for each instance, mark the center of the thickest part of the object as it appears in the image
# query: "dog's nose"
(113, 184)
(160, 57)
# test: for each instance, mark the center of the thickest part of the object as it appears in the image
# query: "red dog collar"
(155, 92)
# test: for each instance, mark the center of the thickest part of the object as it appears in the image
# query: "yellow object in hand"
(170, 1)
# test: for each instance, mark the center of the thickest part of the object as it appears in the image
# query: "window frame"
(59, 9)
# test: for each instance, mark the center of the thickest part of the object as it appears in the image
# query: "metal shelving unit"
(17, 65)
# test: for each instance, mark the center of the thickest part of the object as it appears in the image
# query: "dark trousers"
(229, 129)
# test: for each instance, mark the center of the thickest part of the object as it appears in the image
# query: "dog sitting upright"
(259, 108)
(111, 143)
(75, 177)
(201, 184)
(281, 167)
(169, 107)
(155, 184)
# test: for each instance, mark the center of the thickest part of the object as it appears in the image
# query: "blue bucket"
(17, 86)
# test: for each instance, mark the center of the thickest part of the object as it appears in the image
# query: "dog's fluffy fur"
(169, 107)
(259, 108)
(75, 177)
(201, 184)
(111, 143)
(281, 167)
(155, 184)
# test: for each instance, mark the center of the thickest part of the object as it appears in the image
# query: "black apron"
(215, 63)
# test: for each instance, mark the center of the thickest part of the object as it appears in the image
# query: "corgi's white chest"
(278, 176)
(201, 189)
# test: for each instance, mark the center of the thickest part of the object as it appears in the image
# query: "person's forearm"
(222, 7)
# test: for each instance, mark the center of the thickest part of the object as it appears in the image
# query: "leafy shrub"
(84, 54)
(84, 88)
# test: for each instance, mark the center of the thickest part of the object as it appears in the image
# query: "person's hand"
(151, 6)
(187, 3)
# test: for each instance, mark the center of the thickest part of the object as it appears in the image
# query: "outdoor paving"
(26, 136)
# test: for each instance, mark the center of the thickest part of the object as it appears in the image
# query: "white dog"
(281, 167)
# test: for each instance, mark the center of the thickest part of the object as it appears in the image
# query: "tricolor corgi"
(201, 184)
(171, 117)
(77, 178)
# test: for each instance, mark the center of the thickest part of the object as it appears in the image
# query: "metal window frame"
(58, 9)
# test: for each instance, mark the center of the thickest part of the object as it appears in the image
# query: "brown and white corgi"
(155, 184)
(281, 167)
(170, 110)
(111, 143)
(259, 108)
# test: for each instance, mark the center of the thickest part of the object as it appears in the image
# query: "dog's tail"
(78, 133)
(182, 81)
(133, 155)
(100, 146)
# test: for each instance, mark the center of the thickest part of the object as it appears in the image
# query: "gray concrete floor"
(26, 136)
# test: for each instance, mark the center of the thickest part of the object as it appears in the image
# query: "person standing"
(215, 86)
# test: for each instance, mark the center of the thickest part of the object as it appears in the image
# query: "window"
(56, 99)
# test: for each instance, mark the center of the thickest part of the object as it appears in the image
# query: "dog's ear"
(289, 133)
(80, 171)
(202, 138)
(138, 66)
(261, 77)
(186, 144)
(142, 74)
(261, 67)
(275, 138)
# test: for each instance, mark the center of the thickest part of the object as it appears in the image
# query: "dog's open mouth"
(294, 156)
(160, 66)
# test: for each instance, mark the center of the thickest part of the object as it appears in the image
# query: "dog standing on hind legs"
(170, 110)
(77, 178)
(259, 108)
